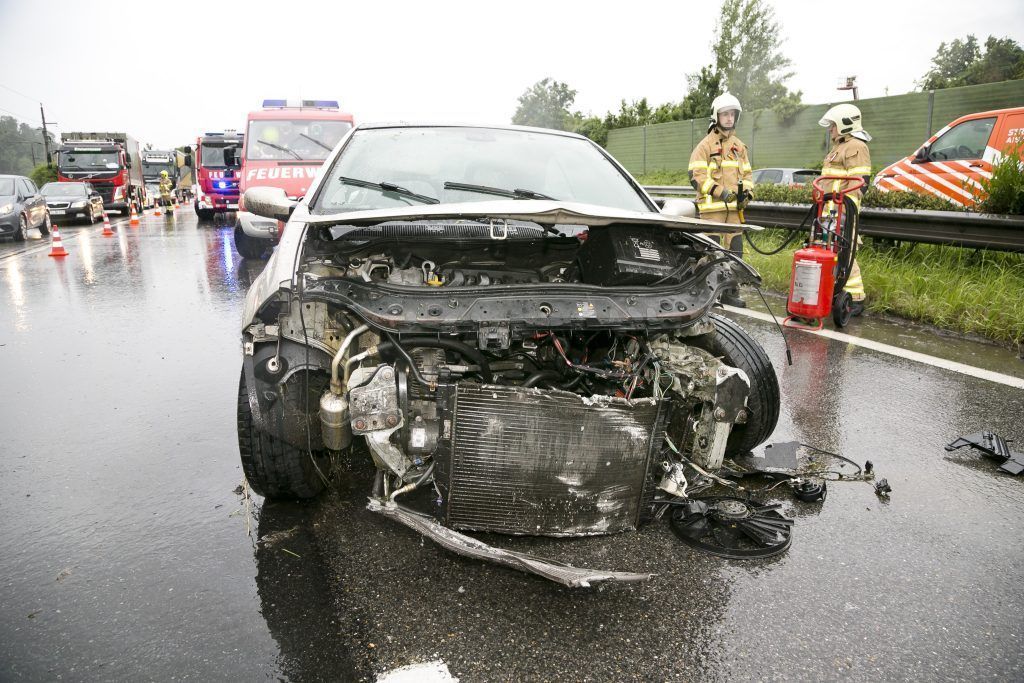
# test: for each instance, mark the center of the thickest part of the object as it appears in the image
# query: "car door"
(954, 164)
(30, 200)
(1008, 136)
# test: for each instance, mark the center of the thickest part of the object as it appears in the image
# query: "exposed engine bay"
(538, 382)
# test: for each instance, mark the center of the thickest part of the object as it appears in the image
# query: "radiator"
(540, 462)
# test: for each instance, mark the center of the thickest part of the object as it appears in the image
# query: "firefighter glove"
(728, 195)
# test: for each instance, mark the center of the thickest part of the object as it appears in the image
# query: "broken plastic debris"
(993, 446)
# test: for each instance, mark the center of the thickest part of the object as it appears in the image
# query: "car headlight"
(6, 208)
(78, 205)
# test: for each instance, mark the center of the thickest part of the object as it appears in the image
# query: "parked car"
(22, 208)
(954, 161)
(785, 176)
(504, 317)
(73, 201)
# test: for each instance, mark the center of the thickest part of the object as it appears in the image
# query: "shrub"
(1005, 189)
(43, 174)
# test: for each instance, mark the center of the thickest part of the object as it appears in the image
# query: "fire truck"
(285, 146)
(215, 163)
(110, 162)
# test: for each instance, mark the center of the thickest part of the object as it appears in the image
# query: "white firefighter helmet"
(847, 119)
(725, 102)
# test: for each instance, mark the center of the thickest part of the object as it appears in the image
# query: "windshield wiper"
(283, 149)
(389, 187)
(316, 141)
(517, 193)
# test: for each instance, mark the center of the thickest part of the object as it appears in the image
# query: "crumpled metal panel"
(567, 575)
(547, 462)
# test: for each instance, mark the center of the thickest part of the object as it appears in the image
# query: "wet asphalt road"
(124, 551)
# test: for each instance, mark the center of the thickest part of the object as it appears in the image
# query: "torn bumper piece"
(567, 575)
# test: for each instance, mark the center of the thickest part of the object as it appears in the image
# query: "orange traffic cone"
(133, 218)
(107, 232)
(56, 247)
(156, 209)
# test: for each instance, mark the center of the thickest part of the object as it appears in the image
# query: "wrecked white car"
(505, 318)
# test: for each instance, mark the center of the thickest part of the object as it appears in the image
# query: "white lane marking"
(426, 672)
(961, 368)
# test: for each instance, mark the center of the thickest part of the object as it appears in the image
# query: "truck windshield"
(90, 160)
(152, 170)
(213, 156)
(291, 139)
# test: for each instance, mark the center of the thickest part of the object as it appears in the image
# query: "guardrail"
(956, 228)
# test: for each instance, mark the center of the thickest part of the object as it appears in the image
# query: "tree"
(748, 57)
(43, 174)
(21, 146)
(704, 86)
(963, 62)
(546, 104)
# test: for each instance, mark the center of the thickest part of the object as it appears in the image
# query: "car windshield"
(6, 187)
(213, 156)
(454, 165)
(63, 190)
(291, 139)
(90, 160)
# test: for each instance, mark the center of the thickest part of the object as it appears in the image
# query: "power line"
(6, 87)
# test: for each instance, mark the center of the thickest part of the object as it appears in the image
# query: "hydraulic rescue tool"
(822, 266)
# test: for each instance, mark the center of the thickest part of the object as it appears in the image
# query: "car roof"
(448, 124)
(11, 175)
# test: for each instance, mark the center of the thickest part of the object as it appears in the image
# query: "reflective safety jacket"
(165, 187)
(717, 164)
(848, 157)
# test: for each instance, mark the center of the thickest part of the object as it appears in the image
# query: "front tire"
(19, 234)
(736, 348)
(44, 227)
(274, 469)
(250, 247)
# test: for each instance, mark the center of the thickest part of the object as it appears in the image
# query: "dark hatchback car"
(73, 201)
(21, 208)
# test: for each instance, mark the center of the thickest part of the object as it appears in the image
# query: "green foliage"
(704, 86)
(592, 127)
(748, 54)
(963, 62)
(43, 174)
(980, 292)
(19, 144)
(1005, 189)
(546, 104)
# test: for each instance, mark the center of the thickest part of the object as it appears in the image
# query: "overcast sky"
(167, 71)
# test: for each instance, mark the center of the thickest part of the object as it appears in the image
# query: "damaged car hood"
(540, 211)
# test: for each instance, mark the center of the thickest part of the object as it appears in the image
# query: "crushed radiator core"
(546, 462)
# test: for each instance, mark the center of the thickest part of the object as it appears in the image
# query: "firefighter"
(850, 157)
(717, 165)
(166, 187)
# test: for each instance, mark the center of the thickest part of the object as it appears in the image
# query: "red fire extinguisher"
(821, 267)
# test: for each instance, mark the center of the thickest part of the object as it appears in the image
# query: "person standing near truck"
(848, 158)
(166, 187)
(718, 165)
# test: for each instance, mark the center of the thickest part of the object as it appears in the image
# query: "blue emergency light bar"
(321, 104)
(275, 103)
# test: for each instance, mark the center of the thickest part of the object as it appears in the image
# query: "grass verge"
(979, 292)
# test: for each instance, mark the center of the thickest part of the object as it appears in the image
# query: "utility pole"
(46, 136)
(849, 83)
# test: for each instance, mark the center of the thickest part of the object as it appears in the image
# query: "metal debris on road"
(992, 446)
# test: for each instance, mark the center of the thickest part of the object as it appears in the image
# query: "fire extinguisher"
(821, 267)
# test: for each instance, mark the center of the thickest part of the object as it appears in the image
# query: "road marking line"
(916, 356)
(36, 248)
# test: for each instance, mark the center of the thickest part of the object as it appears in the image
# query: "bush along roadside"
(977, 292)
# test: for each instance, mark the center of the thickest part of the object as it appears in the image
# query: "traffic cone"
(56, 247)
(156, 209)
(133, 218)
(107, 232)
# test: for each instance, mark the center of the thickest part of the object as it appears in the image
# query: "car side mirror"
(679, 207)
(269, 202)
(922, 155)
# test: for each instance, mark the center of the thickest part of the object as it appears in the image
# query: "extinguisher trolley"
(822, 266)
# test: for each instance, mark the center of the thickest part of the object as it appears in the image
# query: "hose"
(453, 345)
(408, 359)
(538, 377)
(789, 240)
(409, 487)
